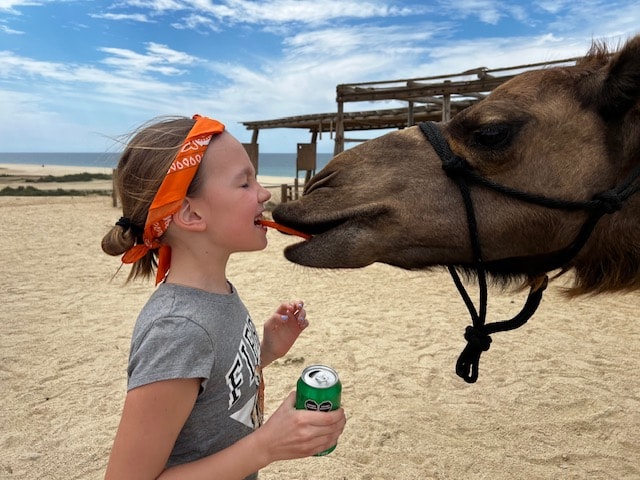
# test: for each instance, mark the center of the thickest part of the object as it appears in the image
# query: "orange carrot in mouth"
(283, 229)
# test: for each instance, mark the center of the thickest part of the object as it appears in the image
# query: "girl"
(193, 408)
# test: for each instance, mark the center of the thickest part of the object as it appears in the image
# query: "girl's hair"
(140, 172)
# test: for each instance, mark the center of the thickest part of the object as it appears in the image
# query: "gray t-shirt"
(184, 332)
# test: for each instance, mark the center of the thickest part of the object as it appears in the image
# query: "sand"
(557, 399)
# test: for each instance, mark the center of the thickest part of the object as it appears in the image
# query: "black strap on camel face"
(478, 334)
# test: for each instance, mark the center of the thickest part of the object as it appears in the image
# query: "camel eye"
(492, 136)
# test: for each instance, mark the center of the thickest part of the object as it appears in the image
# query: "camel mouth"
(318, 228)
(335, 236)
(317, 232)
(317, 224)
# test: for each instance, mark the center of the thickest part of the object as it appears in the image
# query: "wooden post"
(338, 146)
(305, 162)
(252, 150)
(114, 188)
(446, 105)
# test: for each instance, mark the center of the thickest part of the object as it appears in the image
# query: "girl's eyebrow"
(246, 172)
(250, 171)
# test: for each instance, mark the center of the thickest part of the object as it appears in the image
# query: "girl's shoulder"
(172, 303)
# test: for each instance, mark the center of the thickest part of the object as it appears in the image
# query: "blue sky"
(75, 75)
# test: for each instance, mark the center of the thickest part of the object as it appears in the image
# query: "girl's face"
(230, 199)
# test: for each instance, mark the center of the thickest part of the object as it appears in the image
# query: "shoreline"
(35, 170)
(23, 175)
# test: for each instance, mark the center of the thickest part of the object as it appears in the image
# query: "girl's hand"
(282, 330)
(291, 433)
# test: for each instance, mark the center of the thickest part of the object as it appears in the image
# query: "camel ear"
(620, 88)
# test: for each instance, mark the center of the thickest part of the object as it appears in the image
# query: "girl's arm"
(288, 434)
(152, 418)
(154, 414)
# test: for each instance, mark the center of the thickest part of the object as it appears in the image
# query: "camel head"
(566, 133)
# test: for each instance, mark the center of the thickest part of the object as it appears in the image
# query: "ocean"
(269, 164)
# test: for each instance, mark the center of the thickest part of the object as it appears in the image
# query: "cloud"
(595, 19)
(13, 66)
(10, 31)
(158, 58)
(48, 128)
(65, 85)
(156, 5)
(488, 11)
(282, 58)
(305, 11)
(12, 6)
(195, 22)
(304, 78)
(384, 41)
(273, 12)
(553, 6)
(135, 17)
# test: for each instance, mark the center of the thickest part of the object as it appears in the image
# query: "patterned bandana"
(172, 192)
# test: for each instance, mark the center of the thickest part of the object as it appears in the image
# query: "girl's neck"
(205, 274)
(218, 286)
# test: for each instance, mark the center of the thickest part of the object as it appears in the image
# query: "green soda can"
(319, 389)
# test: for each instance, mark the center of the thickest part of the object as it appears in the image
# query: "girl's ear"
(188, 218)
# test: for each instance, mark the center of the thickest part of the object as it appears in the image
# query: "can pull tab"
(320, 377)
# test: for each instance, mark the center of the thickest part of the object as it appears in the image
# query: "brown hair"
(141, 169)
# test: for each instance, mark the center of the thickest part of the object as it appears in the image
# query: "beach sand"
(556, 399)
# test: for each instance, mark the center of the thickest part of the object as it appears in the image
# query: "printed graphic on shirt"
(245, 368)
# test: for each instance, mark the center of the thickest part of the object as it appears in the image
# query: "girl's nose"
(265, 194)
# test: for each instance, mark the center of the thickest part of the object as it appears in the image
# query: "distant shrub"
(73, 177)
(36, 192)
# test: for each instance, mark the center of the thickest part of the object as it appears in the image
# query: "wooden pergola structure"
(435, 98)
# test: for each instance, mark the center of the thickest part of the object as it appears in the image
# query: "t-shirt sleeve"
(173, 347)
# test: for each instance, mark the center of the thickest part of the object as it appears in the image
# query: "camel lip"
(313, 252)
(321, 225)
(316, 233)
(317, 229)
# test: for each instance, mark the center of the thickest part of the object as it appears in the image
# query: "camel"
(538, 177)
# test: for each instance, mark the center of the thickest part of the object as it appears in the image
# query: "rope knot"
(478, 341)
(477, 338)
(609, 202)
(454, 165)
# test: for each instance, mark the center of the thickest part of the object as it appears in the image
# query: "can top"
(319, 376)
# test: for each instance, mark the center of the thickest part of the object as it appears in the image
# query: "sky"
(77, 75)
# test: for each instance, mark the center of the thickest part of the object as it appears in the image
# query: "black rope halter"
(478, 334)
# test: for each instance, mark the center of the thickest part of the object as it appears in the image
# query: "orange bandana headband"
(172, 192)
